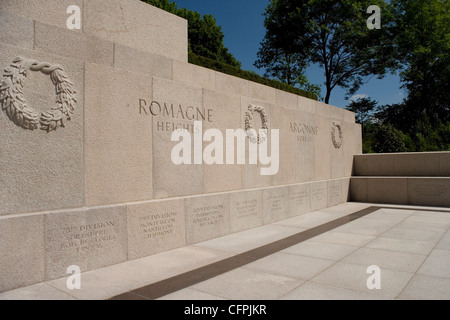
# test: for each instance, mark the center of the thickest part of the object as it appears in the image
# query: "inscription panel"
(276, 205)
(334, 192)
(299, 199)
(246, 210)
(207, 217)
(304, 132)
(305, 129)
(429, 191)
(89, 239)
(319, 198)
(155, 227)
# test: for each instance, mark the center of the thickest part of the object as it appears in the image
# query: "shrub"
(247, 75)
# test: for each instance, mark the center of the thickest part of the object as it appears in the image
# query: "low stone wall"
(97, 186)
(41, 246)
(423, 164)
(403, 178)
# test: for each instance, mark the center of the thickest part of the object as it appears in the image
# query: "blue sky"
(243, 25)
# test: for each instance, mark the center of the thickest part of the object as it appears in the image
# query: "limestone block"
(299, 199)
(345, 187)
(118, 141)
(416, 164)
(358, 139)
(175, 106)
(22, 251)
(47, 11)
(337, 113)
(207, 217)
(193, 75)
(224, 115)
(334, 192)
(348, 147)
(374, 165)
(429, 191)
(306, 105)
(41, 170)
(327, 110)
(392, 190)
(323, 145)
(358, 189)
(286, 99)
(76, 45)
(322, 109)
(281, 118)
(16, 30)
(138, 25)
(305, 130)
(155, 227)
(246, 210)
(90, 239)
(262, 92)
(251, 173)
(232, 85)
(340, 137)
(131, 59)
(275, 204)
(444, 166)
(319, 195)
(349, 116)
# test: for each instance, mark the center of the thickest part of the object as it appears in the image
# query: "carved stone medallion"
(256, 136)
(337, 135)
(13, 102)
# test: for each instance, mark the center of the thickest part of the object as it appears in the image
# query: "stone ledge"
(426, 164)
(129, 22)
(429, 191)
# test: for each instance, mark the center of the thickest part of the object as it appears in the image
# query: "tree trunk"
(328, 95)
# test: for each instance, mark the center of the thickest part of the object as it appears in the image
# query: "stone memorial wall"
(86, 119)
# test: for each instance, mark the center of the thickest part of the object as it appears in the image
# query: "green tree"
(389, 140)
(363, 109)
(421, 42)
(205, 36)
(332, 34)
(282, 62)
(421, 37)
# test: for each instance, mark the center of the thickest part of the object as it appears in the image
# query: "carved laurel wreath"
(253, 135)
(14, 104)
(337, 135)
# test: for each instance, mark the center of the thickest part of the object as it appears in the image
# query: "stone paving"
(410, 245)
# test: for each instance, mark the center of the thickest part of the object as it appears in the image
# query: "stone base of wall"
(426, 191)
(37, 247)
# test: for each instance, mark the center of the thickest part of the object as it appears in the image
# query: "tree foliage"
(332, 34)
(363, 109)
(421, 41)
(205, 36)
(282, 62)
(421, 37)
